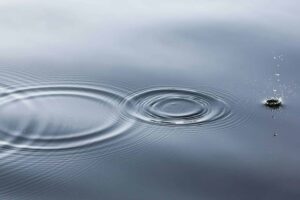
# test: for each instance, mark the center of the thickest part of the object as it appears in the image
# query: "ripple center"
(177, 106)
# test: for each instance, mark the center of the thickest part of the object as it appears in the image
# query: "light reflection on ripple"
(54, 117)
(180, 106)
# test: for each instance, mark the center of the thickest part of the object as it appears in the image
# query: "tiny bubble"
(275, 134)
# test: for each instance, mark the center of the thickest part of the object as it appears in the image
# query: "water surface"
(149, 100)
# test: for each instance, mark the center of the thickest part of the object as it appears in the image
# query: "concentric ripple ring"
(178, 106)
(53, 117)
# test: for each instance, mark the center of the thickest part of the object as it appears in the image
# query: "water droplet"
(280, 57)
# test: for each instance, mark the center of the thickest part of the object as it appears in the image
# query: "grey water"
(143, 100)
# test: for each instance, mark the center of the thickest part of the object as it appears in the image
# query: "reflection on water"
(59, 116)
(149, 100)
(178, 106)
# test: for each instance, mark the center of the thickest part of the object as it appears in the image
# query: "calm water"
(145, 100)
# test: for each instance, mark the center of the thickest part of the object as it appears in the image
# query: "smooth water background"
(226, 47)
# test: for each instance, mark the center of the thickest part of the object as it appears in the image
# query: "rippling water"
(60, 116)
(149, 100)
(178, 106)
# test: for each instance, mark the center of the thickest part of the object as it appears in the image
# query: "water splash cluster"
(275, 102)
(277, 93)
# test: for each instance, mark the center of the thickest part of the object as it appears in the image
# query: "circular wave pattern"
(178, 106)
(54, 117)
